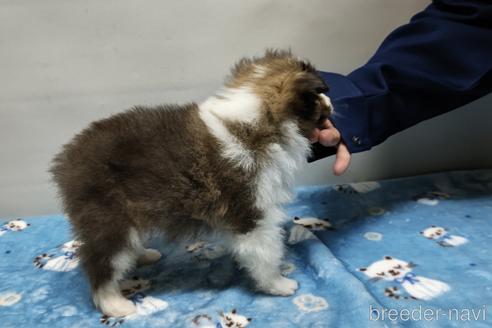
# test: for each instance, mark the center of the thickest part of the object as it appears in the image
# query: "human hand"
(329, 136)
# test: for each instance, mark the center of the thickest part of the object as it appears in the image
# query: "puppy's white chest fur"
(275, 167)
(276, 177)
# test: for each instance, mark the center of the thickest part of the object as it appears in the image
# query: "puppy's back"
(104, 160)
(153, 168)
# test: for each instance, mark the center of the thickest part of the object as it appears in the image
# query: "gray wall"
(66, 63)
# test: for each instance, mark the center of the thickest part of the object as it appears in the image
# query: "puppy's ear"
(296, 218)
(388, 257)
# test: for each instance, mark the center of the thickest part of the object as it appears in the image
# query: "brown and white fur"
(223, 166)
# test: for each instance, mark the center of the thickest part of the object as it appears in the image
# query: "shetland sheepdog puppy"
(224, 166)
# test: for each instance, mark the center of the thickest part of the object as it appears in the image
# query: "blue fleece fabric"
(395, 250)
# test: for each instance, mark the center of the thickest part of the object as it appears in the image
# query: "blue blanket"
(412, 252)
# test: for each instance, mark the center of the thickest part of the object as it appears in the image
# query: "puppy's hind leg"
(106, 261)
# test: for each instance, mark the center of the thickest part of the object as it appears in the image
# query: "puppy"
(224, 166)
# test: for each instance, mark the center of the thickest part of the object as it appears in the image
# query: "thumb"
(342, 159)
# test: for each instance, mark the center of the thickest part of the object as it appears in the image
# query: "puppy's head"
(290, 88)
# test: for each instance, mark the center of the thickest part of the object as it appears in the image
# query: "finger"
(342, 160)
(329, 137)
(327, 124)
(314, 136)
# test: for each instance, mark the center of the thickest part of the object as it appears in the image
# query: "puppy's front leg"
(260, 252)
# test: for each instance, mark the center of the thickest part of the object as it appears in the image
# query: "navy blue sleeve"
(439, 61)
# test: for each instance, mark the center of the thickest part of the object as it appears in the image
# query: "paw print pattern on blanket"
(357, 187)
(226, 320)
(394, 292)
(9, 298)
(301, 230)
(373, 236)
(203, 321)
(313, 224)
(203, 251)
(233, 320)
(431, 198)
(395, 270)
(62, 259)
(376, 211)
(14, 225)
(344, 188)
(441, 236)
(310, 303)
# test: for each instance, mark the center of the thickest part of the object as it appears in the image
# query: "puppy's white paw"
(149, 256)
(117, 306)
(282, 287)
(109, 300)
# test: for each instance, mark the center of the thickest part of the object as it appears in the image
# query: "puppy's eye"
(398, 266)
(380, 273)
